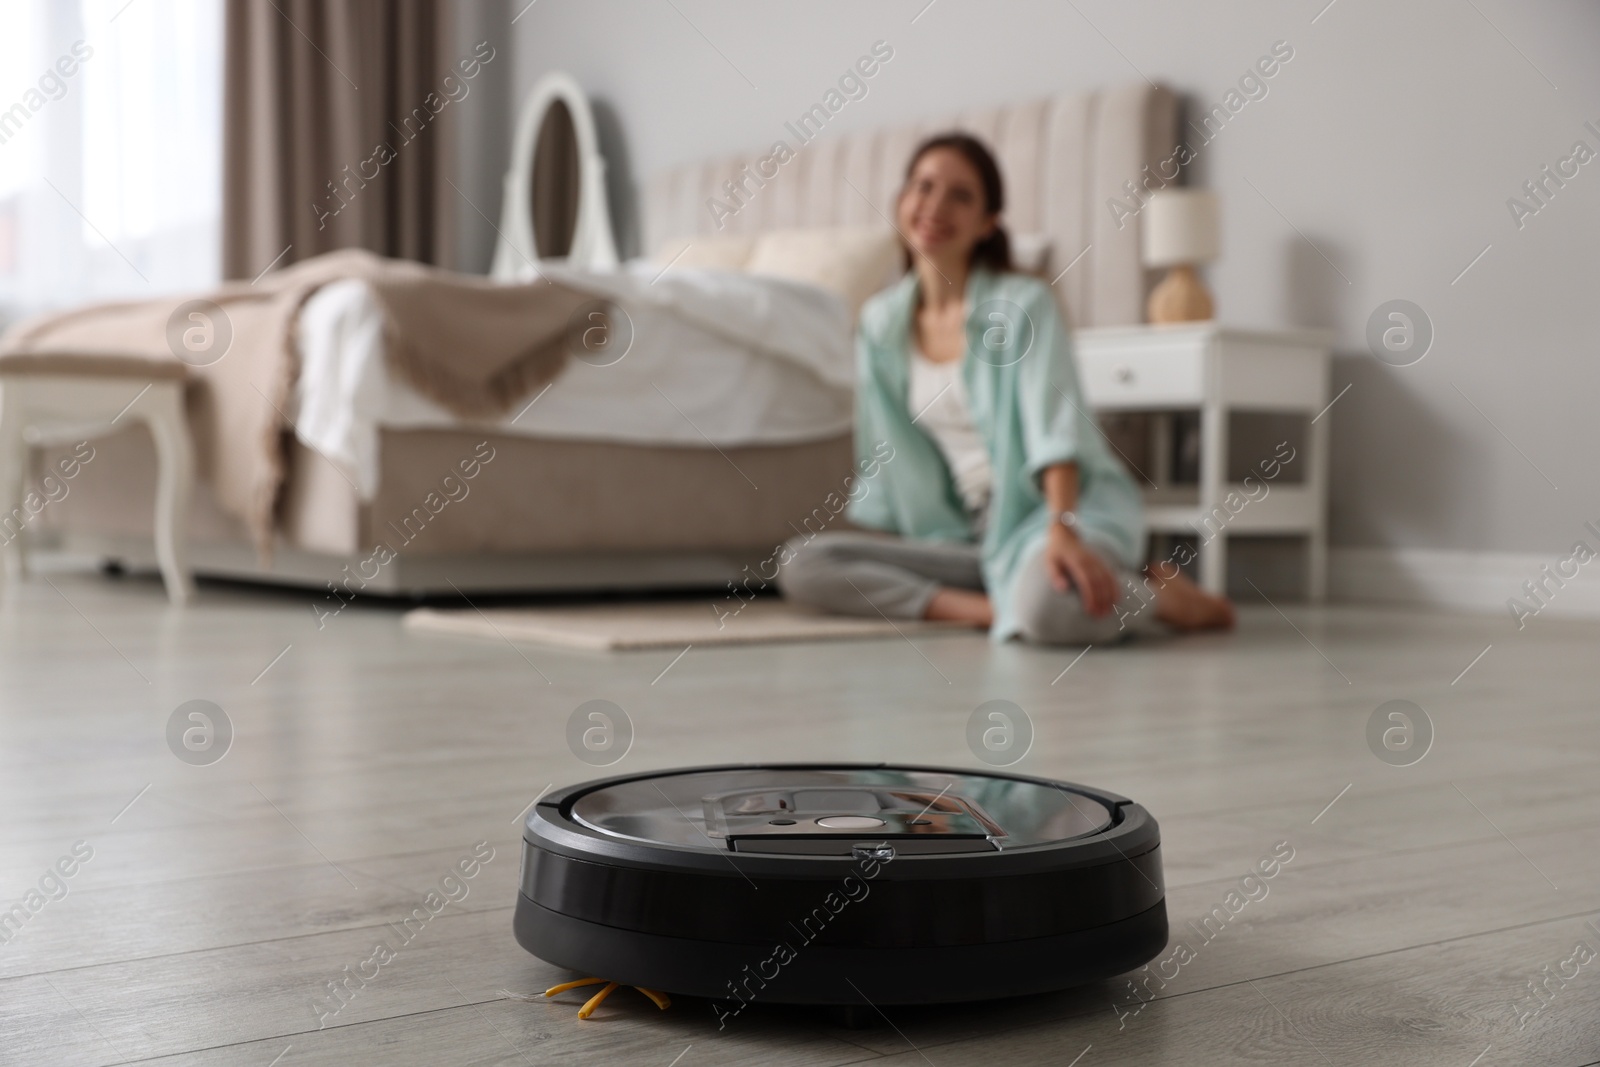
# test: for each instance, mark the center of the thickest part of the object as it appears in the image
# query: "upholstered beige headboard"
(1063, 160)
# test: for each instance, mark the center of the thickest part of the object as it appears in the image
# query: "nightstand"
(1216, 371)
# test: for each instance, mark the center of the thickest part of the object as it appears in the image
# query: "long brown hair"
(993, 251)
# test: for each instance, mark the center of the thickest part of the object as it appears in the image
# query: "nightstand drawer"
(1147, 379)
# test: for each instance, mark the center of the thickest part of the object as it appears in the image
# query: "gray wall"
(1392, 141)
(483, 128)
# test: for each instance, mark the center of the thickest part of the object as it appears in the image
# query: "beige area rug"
(672, 624)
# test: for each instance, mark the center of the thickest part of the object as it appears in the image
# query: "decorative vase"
(1181, 297)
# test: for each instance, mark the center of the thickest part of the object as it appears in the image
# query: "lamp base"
(1181, 297)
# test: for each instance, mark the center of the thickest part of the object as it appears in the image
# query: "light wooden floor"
(367, 761)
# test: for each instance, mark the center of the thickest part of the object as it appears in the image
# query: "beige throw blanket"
(474, 346)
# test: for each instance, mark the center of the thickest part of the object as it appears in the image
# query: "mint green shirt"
(1022, 388)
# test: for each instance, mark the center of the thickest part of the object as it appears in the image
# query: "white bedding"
(718, 358)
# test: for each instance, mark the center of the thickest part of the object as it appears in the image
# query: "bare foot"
(1185, 606)
(960, 605)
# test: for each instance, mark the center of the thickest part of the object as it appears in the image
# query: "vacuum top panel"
(823, 810)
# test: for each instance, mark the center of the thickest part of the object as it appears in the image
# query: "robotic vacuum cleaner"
(841, 883)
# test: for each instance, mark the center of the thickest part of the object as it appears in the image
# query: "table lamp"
(1180, 231)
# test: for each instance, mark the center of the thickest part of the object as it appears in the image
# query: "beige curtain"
(336, 131)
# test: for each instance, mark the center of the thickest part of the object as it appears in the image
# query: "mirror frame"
(516, 253)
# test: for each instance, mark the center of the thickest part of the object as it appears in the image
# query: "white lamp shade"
(1180, 227)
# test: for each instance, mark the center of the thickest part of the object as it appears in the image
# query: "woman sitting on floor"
(1006, 508)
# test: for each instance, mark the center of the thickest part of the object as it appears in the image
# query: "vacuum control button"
(849, 822)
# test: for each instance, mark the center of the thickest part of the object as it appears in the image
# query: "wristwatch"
(1069, 519)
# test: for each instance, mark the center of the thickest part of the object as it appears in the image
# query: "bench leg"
(162, 411)
(13, 461)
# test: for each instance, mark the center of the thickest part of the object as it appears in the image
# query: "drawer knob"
(1124, 374)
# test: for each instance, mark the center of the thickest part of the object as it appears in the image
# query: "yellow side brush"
(595, 1001)
(660, 1000)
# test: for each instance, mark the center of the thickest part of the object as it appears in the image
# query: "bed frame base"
(444, 575)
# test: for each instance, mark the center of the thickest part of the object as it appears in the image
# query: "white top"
(939, 405)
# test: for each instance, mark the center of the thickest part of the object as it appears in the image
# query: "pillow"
(851, 261)
(725, 252)
(1030, 253)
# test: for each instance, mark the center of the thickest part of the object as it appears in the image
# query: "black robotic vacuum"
(841, 884)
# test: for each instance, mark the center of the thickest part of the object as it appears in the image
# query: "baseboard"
(1421, 577)
(1472, 581)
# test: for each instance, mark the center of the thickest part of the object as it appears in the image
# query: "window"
(110, 150)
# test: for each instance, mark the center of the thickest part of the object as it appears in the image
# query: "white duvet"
(717, 358)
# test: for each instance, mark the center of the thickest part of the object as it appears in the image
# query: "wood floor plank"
(216, 907)
(508, 1034)
(93, 926)
(1435, 1006)
(259, 993)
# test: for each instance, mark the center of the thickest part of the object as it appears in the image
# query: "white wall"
(1392, 140)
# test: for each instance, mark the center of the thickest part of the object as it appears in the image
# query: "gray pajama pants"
(865, 574)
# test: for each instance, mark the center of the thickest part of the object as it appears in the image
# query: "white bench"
(91, 395)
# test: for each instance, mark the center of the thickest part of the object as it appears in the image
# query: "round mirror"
(553, 204)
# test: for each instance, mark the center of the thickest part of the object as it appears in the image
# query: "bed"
(645, 497)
